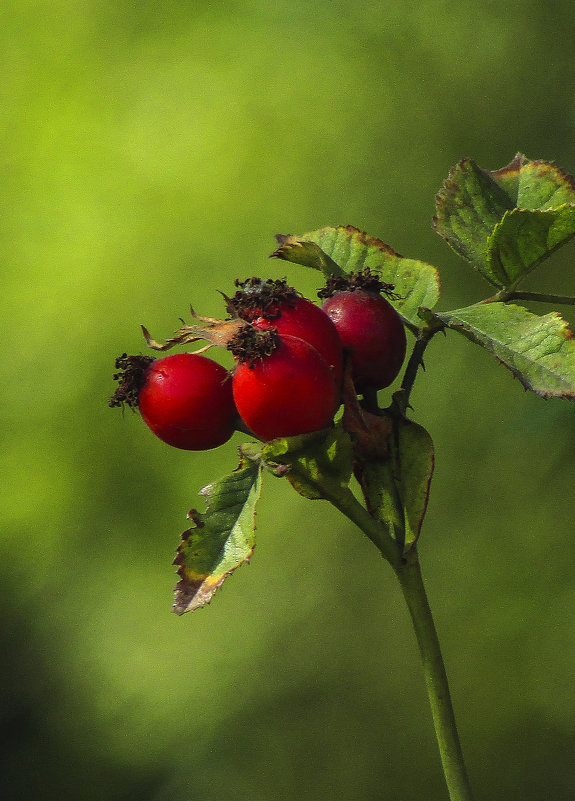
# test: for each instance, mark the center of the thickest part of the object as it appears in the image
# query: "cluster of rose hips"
(289, 361)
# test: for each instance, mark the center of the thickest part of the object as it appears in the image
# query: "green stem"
(401, 397)
(411, 581)
(347, 503)
(507, 294)
(542, 297)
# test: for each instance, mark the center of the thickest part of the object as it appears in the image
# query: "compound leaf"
(220, 539)
(539, 350)
(416, 283)
(506, 222)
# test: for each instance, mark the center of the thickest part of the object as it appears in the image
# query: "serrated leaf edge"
(497, 280)
(465, 328)
(191, 595)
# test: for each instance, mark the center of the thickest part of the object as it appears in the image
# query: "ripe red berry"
(307, 321)
(288, 392)
(372, 330)
(273, 304)
(185, 399)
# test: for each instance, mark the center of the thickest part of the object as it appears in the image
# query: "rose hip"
(287, 392)
(185, 399)
(372, 331)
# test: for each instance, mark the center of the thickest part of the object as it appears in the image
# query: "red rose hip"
(275, 305)
(185, 399)
(290, 391)
(372, 331)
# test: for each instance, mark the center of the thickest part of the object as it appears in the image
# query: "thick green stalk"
(411, 581)
(409, 574)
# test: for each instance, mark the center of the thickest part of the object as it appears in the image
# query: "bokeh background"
(149, 151)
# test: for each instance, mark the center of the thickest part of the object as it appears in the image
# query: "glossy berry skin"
(372, 330)
(309, 322)
(289, 392)
(187, 401)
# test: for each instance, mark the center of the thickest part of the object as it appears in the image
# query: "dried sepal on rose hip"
(272, 304)
(185, 399)
(369, 327)
(282, 385)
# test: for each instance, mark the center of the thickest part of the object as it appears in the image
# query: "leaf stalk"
(541, 297)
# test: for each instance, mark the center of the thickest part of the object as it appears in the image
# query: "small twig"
(542, 297)
(508, 294)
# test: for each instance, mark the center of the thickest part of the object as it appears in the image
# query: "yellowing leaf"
(221, 538)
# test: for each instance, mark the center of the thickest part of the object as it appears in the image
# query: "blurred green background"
(149, 152)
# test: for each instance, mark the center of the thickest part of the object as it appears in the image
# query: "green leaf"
(467, 209)
(523, 239)
(417, 460)
(379, 486)
(396, 488)
(508, 177)
(308, 254)
(416, 283)
(221, 539)
(539, 350)
(508, 221)
(320, 464)
(542, 185)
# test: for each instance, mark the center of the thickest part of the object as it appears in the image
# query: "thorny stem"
(411, 582)
(401, 397)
